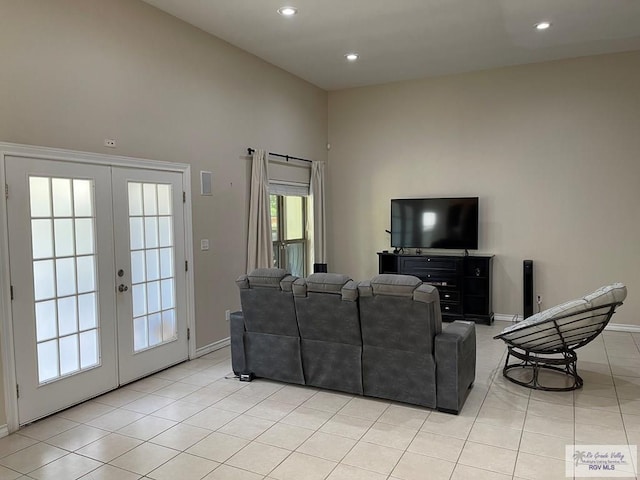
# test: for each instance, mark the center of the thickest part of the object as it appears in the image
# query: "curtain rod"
(287, 157)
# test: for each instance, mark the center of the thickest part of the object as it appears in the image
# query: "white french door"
(98, 299)
(150, 270)
(61, 263)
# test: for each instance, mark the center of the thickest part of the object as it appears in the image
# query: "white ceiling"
(408, 39)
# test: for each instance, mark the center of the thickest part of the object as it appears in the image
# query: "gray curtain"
(259, 247)
(317, 213)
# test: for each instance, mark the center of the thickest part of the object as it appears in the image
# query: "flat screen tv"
(449, 223)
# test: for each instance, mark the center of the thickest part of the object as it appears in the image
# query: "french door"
(98, 295)
(150, 271)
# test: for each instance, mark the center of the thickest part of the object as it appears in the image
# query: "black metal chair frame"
(553, 348)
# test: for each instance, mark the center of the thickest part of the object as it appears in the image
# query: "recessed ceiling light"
(542, 25)
(287, 11)
(352, 57)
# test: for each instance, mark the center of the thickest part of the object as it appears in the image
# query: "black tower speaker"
(527, 290)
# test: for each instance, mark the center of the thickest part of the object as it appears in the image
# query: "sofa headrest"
(267, 278)
(326, 282)
(331, 283)
(426, 293)
(398, 286)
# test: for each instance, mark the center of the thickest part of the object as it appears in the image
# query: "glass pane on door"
(62, 218)
(151, 245)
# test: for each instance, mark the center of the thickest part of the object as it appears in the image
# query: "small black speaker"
(319, 268)
(527, 288)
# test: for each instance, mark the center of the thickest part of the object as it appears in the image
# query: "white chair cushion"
(537, 331)
(614, 293)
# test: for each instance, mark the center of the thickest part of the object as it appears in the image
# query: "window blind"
(293, 189)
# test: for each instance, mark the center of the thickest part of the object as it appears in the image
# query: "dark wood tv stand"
(464, 282)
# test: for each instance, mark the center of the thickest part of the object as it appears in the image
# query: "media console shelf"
(464, 282)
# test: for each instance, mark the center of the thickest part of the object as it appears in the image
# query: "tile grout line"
(175, 380)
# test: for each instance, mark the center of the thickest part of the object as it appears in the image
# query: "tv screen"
(450, 223)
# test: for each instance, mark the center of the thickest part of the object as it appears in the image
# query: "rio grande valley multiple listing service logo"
(620, 461)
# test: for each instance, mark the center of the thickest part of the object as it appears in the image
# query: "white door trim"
(46, 153)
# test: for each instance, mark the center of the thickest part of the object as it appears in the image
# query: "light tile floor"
(189, 422)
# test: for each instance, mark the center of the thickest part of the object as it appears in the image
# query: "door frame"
(6, 323)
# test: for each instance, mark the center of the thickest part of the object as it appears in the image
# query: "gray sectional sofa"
(380, 338)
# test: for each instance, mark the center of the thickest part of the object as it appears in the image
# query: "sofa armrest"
(238, 359)
(455, 354)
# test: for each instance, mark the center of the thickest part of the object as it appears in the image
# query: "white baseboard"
(507, 317)
(212, 347)
(612, 327)
(4, 430)
(622, 327)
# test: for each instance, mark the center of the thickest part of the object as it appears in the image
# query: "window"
(288, 233)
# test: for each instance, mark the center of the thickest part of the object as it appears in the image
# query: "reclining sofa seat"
(327, 311)
(267, 327)
(406, 355)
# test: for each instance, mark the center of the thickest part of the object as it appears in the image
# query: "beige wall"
(75, 72)
(552, 150)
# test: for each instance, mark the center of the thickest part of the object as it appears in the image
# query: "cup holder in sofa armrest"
(455, 354)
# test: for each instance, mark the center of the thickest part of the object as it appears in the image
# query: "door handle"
(122, 288)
